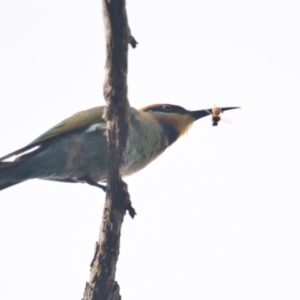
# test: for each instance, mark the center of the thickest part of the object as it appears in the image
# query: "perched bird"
(75, 150)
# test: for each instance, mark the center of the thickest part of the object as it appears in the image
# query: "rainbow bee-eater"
(75, 150)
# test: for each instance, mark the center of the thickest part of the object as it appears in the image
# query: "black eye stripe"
(167, 108)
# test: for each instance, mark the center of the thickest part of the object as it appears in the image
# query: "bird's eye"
(167, 107)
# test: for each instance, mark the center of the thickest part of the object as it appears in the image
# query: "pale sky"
(218, 212)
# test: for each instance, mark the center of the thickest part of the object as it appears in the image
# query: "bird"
(75, 150)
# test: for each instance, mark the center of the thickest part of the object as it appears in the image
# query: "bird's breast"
(146, 141)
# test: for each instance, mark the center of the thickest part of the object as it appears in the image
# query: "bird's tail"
(5, 169)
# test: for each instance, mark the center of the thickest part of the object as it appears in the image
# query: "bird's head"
(175, 119)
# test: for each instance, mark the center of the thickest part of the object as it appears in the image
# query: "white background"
(218, 212)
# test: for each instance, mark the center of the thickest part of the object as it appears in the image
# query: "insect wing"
(227, 120)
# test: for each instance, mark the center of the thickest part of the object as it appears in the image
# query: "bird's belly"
(69, 158)
(83, 155)
(138, 158)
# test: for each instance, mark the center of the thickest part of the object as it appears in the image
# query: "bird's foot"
(95, 183)
(128, 205)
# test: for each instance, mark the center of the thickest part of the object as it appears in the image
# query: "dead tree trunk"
(102, 284)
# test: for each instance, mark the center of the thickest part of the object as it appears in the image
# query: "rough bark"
(102, 284)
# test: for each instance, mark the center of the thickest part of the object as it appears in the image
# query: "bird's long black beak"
(198, 114)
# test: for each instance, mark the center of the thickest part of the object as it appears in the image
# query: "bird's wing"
(78, 121)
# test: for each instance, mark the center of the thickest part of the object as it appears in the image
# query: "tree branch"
(102, 284)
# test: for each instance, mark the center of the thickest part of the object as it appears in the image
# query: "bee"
(216, 115)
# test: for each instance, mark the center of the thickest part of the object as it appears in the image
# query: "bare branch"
(102, 285)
